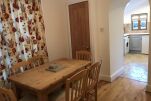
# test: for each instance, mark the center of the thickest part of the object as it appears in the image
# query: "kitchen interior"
(136, 39)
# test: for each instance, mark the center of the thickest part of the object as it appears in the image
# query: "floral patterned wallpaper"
(22, 35)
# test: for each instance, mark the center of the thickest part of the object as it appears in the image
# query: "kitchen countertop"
(128, 34)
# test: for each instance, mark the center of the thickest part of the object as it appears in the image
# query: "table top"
(39, 78)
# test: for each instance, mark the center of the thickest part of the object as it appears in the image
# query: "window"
(139, 21)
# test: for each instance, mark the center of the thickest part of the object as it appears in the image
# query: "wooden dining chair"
(7, 95)
(36, 61)
(75, 86)
(1, 79)
(83, 55)
(92, 81)
(20, 67)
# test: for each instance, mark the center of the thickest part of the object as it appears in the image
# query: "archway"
(136, 39)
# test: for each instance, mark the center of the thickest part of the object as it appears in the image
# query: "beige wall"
(102, 36)
(148, 87)
(57, 31)
(108, 37)
(116, 18)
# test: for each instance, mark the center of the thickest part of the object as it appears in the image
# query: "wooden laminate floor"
(123, 89)
(136, 67)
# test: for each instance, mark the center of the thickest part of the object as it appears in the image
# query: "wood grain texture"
(7, 95)
(83, 55)
(20, 67)
(92, 81)
(41, 82)
(75, 86)
(123, 89)
(79, 27)
(36, 61)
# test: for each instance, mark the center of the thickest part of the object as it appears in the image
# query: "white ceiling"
(136, 7)
(136, 4)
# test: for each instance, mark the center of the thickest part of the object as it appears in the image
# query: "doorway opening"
(136, 40)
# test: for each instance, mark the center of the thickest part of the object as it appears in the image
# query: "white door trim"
(70, 2)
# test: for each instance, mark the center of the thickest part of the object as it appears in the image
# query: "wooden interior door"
(79, 27)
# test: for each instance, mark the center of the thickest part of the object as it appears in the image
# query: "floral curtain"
(22, 31)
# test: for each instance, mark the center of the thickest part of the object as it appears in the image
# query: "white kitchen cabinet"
(145, 44)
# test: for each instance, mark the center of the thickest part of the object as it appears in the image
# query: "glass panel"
(135, 24)
(143, 24)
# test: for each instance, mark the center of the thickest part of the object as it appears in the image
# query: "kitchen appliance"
(126, 45)
(135, 43)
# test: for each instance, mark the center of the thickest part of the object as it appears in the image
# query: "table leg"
(42, 97)
(16, 90)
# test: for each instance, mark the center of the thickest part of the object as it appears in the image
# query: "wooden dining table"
(41, 82)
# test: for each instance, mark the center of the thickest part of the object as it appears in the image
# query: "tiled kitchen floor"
(136, 67)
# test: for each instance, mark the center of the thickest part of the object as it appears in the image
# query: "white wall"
(148, 87)
(102, 36)
(108, 36)
(57, 30)
(116, 17)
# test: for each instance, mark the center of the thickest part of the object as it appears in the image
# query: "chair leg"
(96, 93)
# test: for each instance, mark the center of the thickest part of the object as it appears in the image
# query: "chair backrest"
(75, 86)
(83, 55)
(36, 61)
(7, 95)
(20, 67)
(93, 75)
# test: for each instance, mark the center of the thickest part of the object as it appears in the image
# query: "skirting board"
(111, 78)
(105, 78)
(148, 88)
(117, 74)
